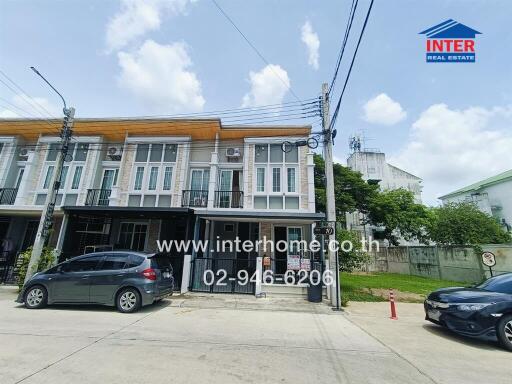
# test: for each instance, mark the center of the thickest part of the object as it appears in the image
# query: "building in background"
(129, 183)
(374, 168)
(492, 196)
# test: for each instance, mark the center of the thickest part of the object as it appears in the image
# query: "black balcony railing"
(194, 198)
(8, 195)
(97, 197)
(229, 199)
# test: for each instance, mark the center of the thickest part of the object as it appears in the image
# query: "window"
(81, 152)
(53, 150)
(142, 153)
(276, 153)
(63, 175)
(200, 179)
(167, 178)
(48, 178)
(133, 261)
(76, 177)
(276, 179)
(114, 262)
(261, 153)
(278, 170)
(291, 179)
(260, 180)
(170, 153)
(133, 236)
(82, 265)
(156, 153)
(139, 174)
(294, 235)
(153, 178)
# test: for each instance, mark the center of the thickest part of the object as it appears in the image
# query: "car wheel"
(36, 297)
(128, 300)
(505, 332)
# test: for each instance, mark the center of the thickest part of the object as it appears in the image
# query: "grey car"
(125, 279)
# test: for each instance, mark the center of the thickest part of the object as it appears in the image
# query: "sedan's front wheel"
(36, 297)
(505, 332)
(128, 300)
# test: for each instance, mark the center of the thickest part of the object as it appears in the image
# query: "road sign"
(488, 259)
(323, 230)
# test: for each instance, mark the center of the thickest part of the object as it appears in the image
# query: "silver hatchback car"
(125, 279)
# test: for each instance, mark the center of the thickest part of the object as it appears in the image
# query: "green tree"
(464, 224)
(351, 192)
(350, 255)
(399, 215)
(46, 261)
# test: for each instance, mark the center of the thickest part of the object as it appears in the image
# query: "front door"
(72, 283)
(280, 256)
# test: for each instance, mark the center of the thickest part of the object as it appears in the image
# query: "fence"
(450, 263)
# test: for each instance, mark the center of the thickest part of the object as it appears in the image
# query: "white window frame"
(147, 165)
(269, 175)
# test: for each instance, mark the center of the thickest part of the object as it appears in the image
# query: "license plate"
(434, 314)
(166, 275)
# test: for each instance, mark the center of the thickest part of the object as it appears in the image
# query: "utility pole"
(329, 188)
(46, 220)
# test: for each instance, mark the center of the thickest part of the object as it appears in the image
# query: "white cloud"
(268, 86)
(452, 148)
(160, 75)
(136, 17)
(382, 109)
(310, 38)
(35, 107)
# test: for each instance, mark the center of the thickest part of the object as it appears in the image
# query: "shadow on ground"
(440, 331)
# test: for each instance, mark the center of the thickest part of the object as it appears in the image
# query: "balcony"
(229, 199)
(8, 196)
(194, 198)
(98, 197)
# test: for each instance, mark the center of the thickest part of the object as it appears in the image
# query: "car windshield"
(500, 283)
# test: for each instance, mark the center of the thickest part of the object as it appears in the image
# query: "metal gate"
(215, 275)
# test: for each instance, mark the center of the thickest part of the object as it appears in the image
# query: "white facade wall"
(495, 200)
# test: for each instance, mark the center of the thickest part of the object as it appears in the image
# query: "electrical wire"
(336, 111)
(254, 48)
(351, 15)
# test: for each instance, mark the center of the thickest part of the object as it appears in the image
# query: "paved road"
(215, 339)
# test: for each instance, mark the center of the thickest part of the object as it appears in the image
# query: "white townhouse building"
(128, 183)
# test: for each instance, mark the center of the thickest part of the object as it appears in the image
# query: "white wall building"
(492, 196)
(374, 169)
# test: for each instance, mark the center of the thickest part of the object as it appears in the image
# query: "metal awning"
(128, 212)
(260, 215)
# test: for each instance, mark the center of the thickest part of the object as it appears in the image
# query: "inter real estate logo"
(450, 42)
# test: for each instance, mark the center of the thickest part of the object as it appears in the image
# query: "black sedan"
(483, 311)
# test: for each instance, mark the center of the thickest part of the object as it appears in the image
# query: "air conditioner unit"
(24, 152)
(114, 152)
(233, 152)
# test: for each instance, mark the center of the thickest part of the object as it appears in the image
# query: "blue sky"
(447, 123)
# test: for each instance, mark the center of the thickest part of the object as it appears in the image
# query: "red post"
(392, 303)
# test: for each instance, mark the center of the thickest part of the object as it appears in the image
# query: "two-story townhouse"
(128, 183)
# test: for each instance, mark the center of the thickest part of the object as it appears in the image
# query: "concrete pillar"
(185, 277)
(62, 235)
(214, 165)
(259, 275)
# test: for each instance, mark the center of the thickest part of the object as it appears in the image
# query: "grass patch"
(358, 287)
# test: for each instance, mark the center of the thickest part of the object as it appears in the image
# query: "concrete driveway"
(215, 339)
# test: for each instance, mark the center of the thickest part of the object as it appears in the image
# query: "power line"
(336, 111)
(254, 47)
(351, 14)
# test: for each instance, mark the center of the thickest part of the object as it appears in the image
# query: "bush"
(356, 257)
(46, 261)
